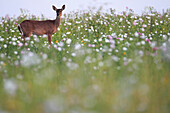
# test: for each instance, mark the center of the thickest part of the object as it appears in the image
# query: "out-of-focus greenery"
(98, 63)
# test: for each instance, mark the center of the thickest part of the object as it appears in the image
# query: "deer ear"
(54, 8)
(63, 7)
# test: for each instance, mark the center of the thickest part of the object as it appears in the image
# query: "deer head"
(58, 11)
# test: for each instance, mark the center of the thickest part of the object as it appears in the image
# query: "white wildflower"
(143, 42)
(1, 39)
(29, 59)
(27, 38)
(124, 49)
(77, 46)
(44, 56)
(100, 39)
(59, 49)
(73, 54)
(68, 41)
(54, 105)
(101, 64)
(115, 58)
(141, 53)
(72, 66)
(10, 86)
(68, 33)
(130, 39)
(136, 34)
(61, 44)
(5, 46)
(68, 23)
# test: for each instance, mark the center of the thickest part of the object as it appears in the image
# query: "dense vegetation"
(98, 63)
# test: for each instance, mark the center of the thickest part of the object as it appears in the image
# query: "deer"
(48, 27)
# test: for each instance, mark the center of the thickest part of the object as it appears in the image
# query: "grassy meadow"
(98, 63)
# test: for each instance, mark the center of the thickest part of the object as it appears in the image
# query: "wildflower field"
(98, 63)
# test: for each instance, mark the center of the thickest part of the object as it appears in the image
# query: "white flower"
(29, 59)
(100, 39)
(93, 45)
(54, 105)
(78, 22)
(138, 43)
(68, 41)
(107, 40)
(112, 46)
(10, 86)
(77, 46)
(97, 50)
(95, 68)
(20, 44)
(124, 59)
(115, 58)
(44, 36)
(124, 49)
(15, 52)
(73, 54)
(2, 55)
(130, 39)
(120, 19)
(64, 59)
(36, 39)
(164, 44)
(61, 44)
(27, 38)
(116, 50)
(166, 51)
(12, 30)
(136, 34)
(164, 37)
(144, 25)
(95, 40)
(14, 43)
(112, 41)
(14, 39)
(32, 42)
(68, 23)
(44, 56)
(101, 64)
(86, 40)
(72, 65)
(1, 39)
(143, 42)
(127, 44)
(142, 29)
(141, 53)
(59, 48)
(5, 46)
(68, 33)
(34, 36)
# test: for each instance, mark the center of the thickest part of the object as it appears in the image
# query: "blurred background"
(38, 7)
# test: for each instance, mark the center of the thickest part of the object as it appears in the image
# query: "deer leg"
(49, 39)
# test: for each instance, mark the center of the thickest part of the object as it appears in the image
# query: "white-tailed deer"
(49, 27)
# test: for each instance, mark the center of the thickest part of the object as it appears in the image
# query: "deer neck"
(57, 21)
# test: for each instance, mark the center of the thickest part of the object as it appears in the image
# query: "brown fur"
(49, 27)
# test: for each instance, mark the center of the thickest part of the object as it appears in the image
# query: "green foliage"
(98, 63)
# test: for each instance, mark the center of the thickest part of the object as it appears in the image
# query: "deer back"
(38, 27)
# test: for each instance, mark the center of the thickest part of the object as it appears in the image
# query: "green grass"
(98, 63)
